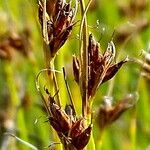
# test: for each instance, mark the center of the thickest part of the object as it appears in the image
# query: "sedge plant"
(91, 69)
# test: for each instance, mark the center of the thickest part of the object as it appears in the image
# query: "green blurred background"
(21, 110)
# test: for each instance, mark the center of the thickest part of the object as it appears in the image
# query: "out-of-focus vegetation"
(22, 57)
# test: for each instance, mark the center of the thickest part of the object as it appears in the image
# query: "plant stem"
(49, 61)
(69, 92)
(84, 62)
(56, 86)
(45, 34)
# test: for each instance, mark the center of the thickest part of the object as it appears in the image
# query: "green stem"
(84, 62)
(56, 87)
(51, 78)
(69, 92)
(45, 34)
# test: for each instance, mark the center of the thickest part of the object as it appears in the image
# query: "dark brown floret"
(60, 17)
(69, 129)
(101, 67)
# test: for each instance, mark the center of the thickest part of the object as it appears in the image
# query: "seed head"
(59, 21)
(101, 67)
(69, 129)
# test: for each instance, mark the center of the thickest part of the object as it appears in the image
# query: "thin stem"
(83, 18)
(45, 34)
(47, 52)
(56, 88)
(22, 141)
(84, 62)
(39, 90)
(69, 92)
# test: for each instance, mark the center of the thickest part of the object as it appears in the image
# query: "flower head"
(101, 67)
(59, 21)
(69, 129)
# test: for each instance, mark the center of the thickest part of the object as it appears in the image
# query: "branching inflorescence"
(57, 20)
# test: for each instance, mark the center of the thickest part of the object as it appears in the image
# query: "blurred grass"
(130, 132)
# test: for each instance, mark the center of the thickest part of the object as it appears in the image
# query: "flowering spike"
(101, 67)
(59, 21)
(69, 129)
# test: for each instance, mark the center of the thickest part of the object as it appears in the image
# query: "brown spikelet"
(60, 17)
(101, 67)
(69, 129)
(59, 114)
(108, 113)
